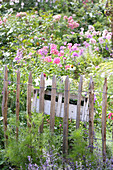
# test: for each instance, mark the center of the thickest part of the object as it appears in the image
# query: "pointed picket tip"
(42, 75)
(42, 80)
(81, 77)
(67, 83)
(18, 72)
(67, 79)
(5, 68)
(91, 83)
(105, 81)
(54, 82)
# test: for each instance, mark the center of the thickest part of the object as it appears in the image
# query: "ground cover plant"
(61, 38)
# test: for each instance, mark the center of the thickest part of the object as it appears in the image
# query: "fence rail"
(53, 94)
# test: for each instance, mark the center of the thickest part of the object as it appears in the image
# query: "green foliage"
(79, 151)
(79, 145)
(30, 143)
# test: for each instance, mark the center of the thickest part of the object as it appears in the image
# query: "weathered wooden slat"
(29, 89)
(53, 99)
(104, 108)
(66, 115)
(4, 104)
(79, 102)
(34, 102)
(59, 105)
(72, 96)
(17, 101)
(41, 99)
(91, 113)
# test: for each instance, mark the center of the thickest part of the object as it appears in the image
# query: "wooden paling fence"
(52, 107)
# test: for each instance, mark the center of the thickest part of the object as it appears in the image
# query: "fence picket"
(79, 102)
(29, 89)
(66, 116)
(53, 99)
(17, 101)
(41, 99)
(104, 108)
(4, 104)
(91, 113)
(59, 105)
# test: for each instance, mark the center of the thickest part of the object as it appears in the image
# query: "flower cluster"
(56, 17)
(71, 23)
(110, 116)
(100, 41)
(19, 55)
(21, 14)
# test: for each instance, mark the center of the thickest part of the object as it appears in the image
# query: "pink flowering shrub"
(71, 23)
(100, 42)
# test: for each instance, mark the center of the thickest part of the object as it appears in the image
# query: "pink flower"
(53, 46)
(64, 58)
(86, 44)
(56, 60)
(66, 67)
(54, 51)
(56, 17)
(65, 17)
(48, 59)
(44, 74)
(18, 15)
(4, 19)
(101, 41)
(110, 116)
(97, 49)
(108, 36)
(60, 125)
(1, 22)
(91, 28)
(65, 42)
(60, 65)
(70, 18)
(61, 53)
(92, 41)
